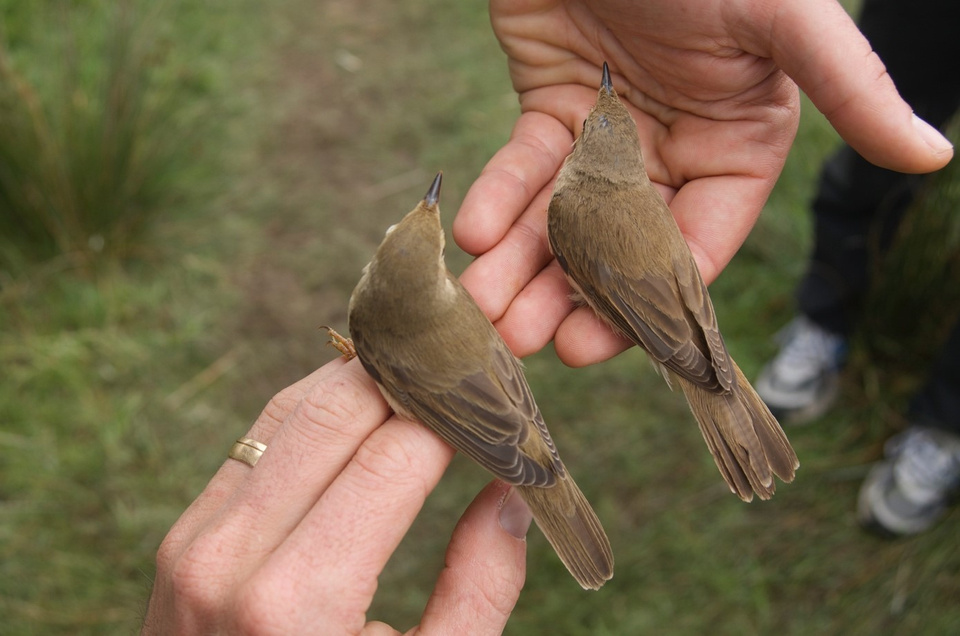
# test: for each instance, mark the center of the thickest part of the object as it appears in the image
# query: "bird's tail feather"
(745, 439)
(565, 517)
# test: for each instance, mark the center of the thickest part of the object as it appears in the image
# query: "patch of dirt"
(313, 243)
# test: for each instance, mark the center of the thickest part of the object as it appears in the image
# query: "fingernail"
(932, 136)
(515, 516)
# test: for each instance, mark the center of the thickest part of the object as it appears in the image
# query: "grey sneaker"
(912, 488)
(803, 380)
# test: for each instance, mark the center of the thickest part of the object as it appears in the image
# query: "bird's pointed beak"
(605, 83)
(433, 194)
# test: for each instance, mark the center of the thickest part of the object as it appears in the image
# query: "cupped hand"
(295, 544)
(713, 87)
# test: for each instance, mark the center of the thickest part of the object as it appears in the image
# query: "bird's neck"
(620, 173)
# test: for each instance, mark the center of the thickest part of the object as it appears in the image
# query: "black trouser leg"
(858, 205)
(938, 402)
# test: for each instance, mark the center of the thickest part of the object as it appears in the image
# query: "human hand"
(712, 86)
(295, 544)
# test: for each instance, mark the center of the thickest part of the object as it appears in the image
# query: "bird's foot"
(341, 344)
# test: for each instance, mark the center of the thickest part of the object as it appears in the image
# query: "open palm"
(713, 87)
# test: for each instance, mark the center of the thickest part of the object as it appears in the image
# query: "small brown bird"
(438, 359)
(623, 254)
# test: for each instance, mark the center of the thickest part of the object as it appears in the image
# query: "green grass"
(120, 392)
(93, 125)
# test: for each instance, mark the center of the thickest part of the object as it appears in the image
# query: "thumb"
(849, 84)
(485, 567)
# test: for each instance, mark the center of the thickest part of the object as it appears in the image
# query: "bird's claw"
(341, 344)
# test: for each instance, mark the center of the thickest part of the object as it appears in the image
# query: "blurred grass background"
(188, 189)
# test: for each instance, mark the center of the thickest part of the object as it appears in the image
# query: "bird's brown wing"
(697, 301)
(673, 319)
(489, 415)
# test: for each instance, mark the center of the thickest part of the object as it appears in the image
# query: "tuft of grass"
(915, 298)
(88, 136)
(107, 382)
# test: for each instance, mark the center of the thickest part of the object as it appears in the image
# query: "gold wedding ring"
(247, 450)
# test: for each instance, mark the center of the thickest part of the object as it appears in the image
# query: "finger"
(849, 84)
(716, 214)
(281, 405)
(310, 449)
(721, 192)
(584, 339)
(328, 567)
(485, 567)
(317, 440)
(534, 315)
(510, 181)
(271, 418)
(224, 483)
(495, 278)
(376, 628)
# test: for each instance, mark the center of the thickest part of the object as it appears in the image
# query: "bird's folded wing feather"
(488, 415)
(668, 323)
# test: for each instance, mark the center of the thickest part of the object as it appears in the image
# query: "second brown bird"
(438, 359)
(624, 255)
